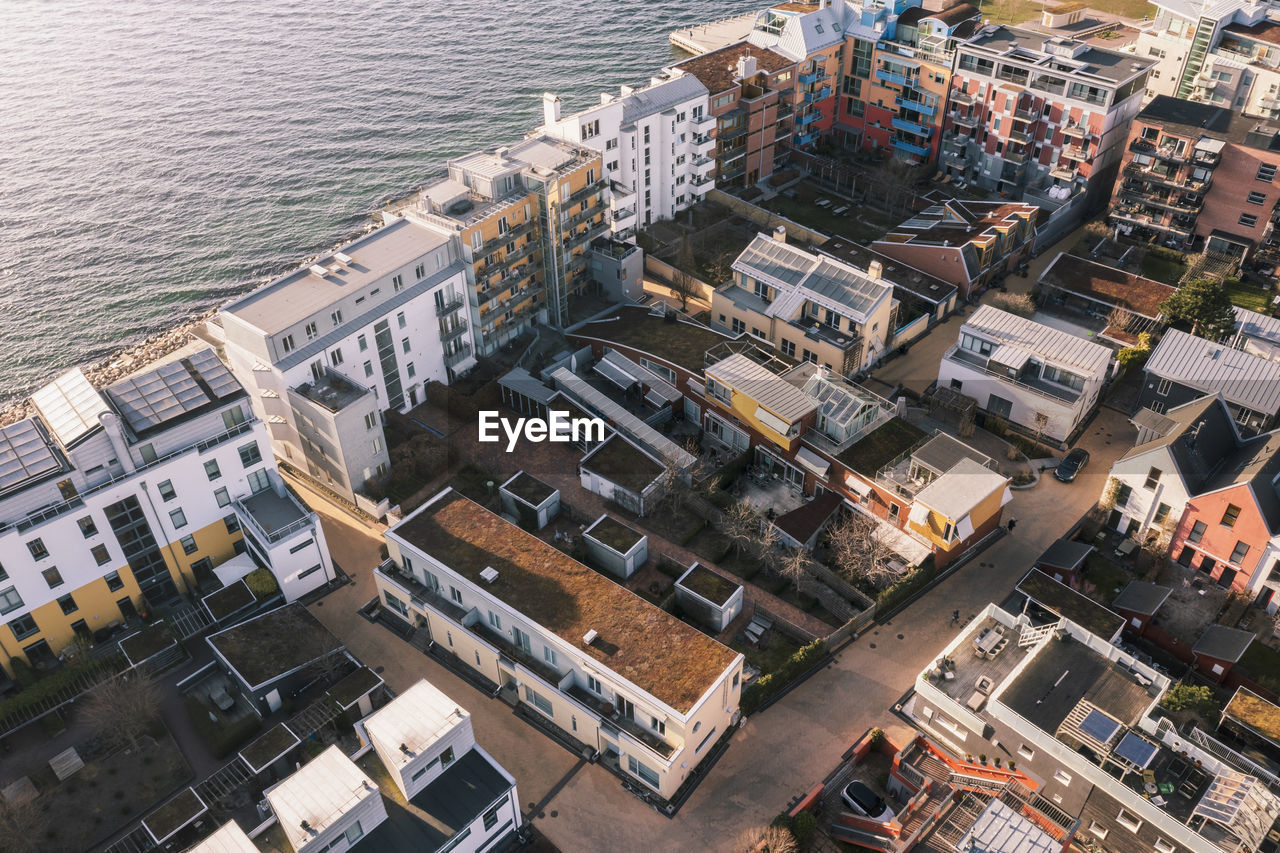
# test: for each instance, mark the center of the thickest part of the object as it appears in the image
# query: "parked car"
(864, 801)
(1071, 465)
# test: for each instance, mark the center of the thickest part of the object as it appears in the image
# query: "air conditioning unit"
(490, 574)
(590, 636)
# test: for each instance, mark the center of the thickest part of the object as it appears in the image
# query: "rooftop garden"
(274, 643)
(359, 683)
(881, 446)
(278, 740)
(174, 815)
(708, 584)
(621, 462)
(615, 534)
(150, 641)
(683, 344)
(229, 600)
(1067, 602)
(529, 489)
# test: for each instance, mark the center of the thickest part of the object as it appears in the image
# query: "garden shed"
(531, 502)
(709, 597)
(615, 547)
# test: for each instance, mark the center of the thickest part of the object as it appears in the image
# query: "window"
(286, 343)
(368, 368)
(1197, 532)
(100, 554)
(310, 571)
(336, 317)
(456, 594)
(395, 603)
(87, 527)
(311, 330)
(37, 549)
(362, 342)
(1062, 777)
(788, 348)
(808, 356)
(114, 584)
(975, 344)
(148, 453)
(400, 321)
(232, 523)
(738, 326)
(52, 577)
(1026, 752)
(1163, 386)
(539, 701)
(643, 773)
(165, 488)
(1256, 197)
(222, 496)
(706, 740)
(1163, 846)
(259, 480)
(1229, 517)
(1156, 406)
(335, 357)
(179, 519)
(23, 627)
(549, 655)
(410, 370)
(1162, 513)
(593, 684)
(420, 272)
(657, 725)
(10, 600)
(1098, 830)
(354, 833)
(249, 454)
(68, 604)
(495, 621)
(371, 420)
(1266, 172)
(397, 282)
(1128, 821)
(1248, 220)
(491, 816)
(404, 344)
(1238, 554)
(1153, 479)
(212, 470)
(522, 640)
(189, 545)
(1123, 493)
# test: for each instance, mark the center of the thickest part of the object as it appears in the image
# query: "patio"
(215, 691)
(770, 495)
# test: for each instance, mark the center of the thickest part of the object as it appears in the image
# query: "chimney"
(115, 434)
(780, 233)
(746, 66)
(875, 270)
(550, 108)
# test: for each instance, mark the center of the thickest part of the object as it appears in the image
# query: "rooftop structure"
(412, 724)
(1141, 597)
(323, 796)
(1128, 303)
(275, 644)
(1246, 382)
(1066, 602)
(644, 336)
(71, 406)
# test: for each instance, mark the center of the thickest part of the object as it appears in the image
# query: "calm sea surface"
(157, 158)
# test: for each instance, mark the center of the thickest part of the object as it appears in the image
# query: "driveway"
(777, 754)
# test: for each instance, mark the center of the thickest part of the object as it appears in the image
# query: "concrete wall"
(767, 220)
(663, 270)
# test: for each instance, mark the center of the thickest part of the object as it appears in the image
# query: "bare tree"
(767, 540)
(22, 823)
(861, 551)
(683, 284)
(795, 565)
(767, 839)
(121, 710)
(740, 524)
(1042, 423)
(1119, 319)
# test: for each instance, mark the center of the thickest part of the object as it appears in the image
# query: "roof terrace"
(333, 391)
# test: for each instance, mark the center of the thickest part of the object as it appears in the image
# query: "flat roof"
(173, 390)
(709, 584)
(1065, 601)
(1252, 711)
(274, 512)
(898, 273)
(612, 533)
(1241, 378)
(1064, 554)
(274, 644)
(297, 295)
(682, 343)
(943, 452)
(414, 720)
(718, 69)
(1141, 597)
(1197, 120)
(1043, 341)
(1102, 283)
(229, 838)
(619, 461)
(642, 643)
(1097, 62)
(319, 794)
(881, 446)
(1000, 829)
(529, 489)
(957, 492)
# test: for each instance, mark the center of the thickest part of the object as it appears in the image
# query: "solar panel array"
(777, 260)
(1099, 726)
(24, 454)
(1137, 750)
(172, 390)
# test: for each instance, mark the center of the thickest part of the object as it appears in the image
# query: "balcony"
(911, 127)
(1076, 131)
(514, 654)
(965, 98)
(582, 194)
(1206, 158)
(922, 107)
(1144, 220)
(1171, 202)
(623, 214)
(611, 719)
(896, 79)
(273, 517)
(702, 120)
(1075, 152)
(445, 308)
(508, 236)
(918, 150)
(1021, 137)
(1142, 146)
(806, 139)
(821, 332)
(807, 118)
(703, 144)
(1018, 158)
(703, 181)
(1063, 173)
(812, 77)
(1170, 154)
(461, 354)
(451, 332)
(732, 133)
(1047, 390)
(417, 592)
(1026, 114)
(819, 95)
(963, 120)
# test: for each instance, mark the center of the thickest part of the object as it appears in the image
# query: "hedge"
(262, 583)
(47, 687)
(771, 684)
(907, 587)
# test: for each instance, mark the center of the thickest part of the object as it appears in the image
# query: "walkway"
(704, 38)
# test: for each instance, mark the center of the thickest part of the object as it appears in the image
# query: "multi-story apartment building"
(115, 502)
(809, 307)
(812, 36)
(611, 671)
(752, 93)
(1080, 719)
(1042, 380)
(906, 92)
(656, 144)
(525, 215)
(1199, 176)
(964, 243)
(1046, 113)
(323, 350)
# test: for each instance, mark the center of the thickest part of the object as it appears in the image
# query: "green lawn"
(1248, 296)
(856, 223)
(1021, 11)
(1107, 576)
(1163, 269)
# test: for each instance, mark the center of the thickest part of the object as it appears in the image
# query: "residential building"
(752, 91)
(958, 508)
(1030, 111)
(1081, 719)
(1041, 380)
(1097, 299)
(620, 471)
(655, 143)
(115, 502)
(1064, 561)
(807, 306)
(1183, 367)
(619, 676)
(924, 300)
(1199, 177)
(323, 350)
(965, 243)
(1257, 334)
(525, 216)
(811, 35)
(758, 398)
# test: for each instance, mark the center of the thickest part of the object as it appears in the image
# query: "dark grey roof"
(173, 390)
(1192, 119)
(1258, 465)
(442, 809)
(1064, 554)
(942, 453)
(1141, 597)
(1222, 643)
(1242, 378)
(1202, 438)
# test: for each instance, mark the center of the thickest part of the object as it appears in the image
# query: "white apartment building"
(647, 692)
(1041, 379)
(329, 804)
(326, 348)
(657, 149)
(114, 502)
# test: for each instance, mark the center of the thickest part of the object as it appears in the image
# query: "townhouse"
(1041, 380)
(1199, 177)
(1029, 111)
(656, 144)
(1075, 722)
(812, 36)
(807, 306)
(752, 92)
(1183, 367)
(1116, 305)
(959, 507)
(965, 243)
(117, 502)
(617, 675)
(1257, 334)
(325, 349)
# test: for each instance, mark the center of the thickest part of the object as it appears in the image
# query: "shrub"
(770, 684)
(262, 583)
(804, 826)
(222, 738)
(1190, 697)
(1015, 303)
(876, 738)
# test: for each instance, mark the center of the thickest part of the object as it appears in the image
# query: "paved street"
(778, 753)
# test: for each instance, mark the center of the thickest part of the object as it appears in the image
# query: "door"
(40, 656)
(1113, 520)
(1225, 579)
(626, 709)
(127, 610)
(1000, 407)
(413, 395)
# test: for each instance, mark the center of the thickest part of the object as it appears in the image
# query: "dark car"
(864, 801)
(1072, 465)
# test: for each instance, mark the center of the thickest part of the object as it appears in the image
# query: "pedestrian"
(955, 616)
(1012, 522)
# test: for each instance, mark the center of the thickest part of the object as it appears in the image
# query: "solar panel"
(1099, 726)
(153, 398)
(1138, 751)
(70, 406)
(214, 374)
(24, 454)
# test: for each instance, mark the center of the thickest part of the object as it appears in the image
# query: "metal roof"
(173, 389)
(415, 720)
(774, 261)
(1242, 803)
(70, 406)
(616, 361)
(25, 454)
(1064, 554)
(1251, 324)
(1044, 342)
(802, 276)
(1000, 829)
(326, 788)
(672, 454)
(1243, 379)
(840, 402)
(775, 394)
(643, 103)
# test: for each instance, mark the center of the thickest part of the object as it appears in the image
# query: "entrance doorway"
(127, 610)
